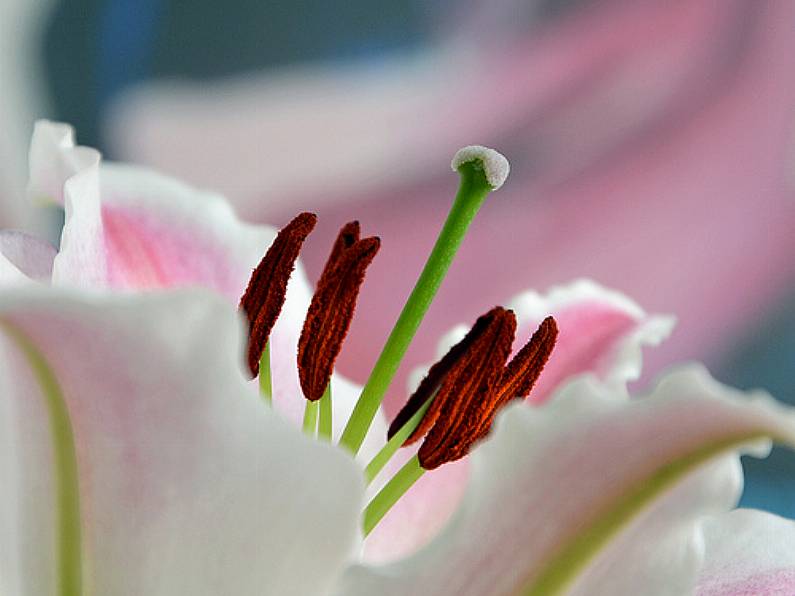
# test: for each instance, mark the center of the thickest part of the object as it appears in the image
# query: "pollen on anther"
(331, 310)
(495, 166)
(466, 388)
(262, 302)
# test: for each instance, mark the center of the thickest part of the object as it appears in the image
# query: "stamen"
(468, 394)
(331, 310)
(471, 384)
(466, 384)
(456, 357)
(523, 371)
(264, 297)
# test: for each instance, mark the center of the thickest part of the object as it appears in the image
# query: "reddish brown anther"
(474, 343)
(264, 297)
(471, 383)
(331, 310)
(523, 371)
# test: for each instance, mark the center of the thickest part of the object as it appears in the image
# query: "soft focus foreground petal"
(601, 332)
(595, 486)
(748, 553)
(188, 483)
(29, 255)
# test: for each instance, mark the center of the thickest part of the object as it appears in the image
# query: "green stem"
(382, 458)
(391, 493)
(69, 545)
(310, 418)
(324, 425)
(265, 382)
(471, 194)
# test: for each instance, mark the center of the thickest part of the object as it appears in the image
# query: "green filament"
(391, 493)
(324, 425)
(392, 446)
(265, 382)
(310, 418)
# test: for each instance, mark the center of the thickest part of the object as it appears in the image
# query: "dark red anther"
(449, 366)
(264, 297)
(331, 310)
(471, 383)
(523, 371)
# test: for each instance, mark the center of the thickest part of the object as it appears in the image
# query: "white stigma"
(495, 166)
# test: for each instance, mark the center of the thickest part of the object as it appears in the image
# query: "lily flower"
(138, 459)
(130, 229)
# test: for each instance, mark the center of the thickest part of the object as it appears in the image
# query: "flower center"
(456, 403)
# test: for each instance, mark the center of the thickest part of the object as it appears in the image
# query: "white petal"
(69, 175)
(748, 553)
(188, 483)
(591, 493)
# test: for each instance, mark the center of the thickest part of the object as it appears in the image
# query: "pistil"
(482, 170)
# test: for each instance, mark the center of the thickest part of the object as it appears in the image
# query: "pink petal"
(135, 229)
(535, 492)
(748, 553)
(601, 332)
(188, 483)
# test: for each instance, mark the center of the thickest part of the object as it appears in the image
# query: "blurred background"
(652, 145)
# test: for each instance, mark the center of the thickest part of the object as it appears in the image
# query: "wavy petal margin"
(592, 494)
(601, 332)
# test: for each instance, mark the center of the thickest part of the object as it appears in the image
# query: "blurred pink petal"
(651, 145)
(694, 218)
